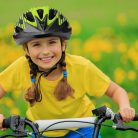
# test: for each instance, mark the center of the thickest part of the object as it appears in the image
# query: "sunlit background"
(106, 32)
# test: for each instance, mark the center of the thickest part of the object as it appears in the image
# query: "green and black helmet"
(41, 22)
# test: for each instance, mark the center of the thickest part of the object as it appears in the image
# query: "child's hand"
(1, 121)
(127, 113)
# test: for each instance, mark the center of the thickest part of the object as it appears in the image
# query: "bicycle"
(18, 124)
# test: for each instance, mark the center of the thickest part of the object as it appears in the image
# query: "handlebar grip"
(135, 118)
(11, 122)
(6, 123)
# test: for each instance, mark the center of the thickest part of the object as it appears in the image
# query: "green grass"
(91, 13)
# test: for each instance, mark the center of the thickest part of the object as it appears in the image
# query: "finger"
(126, 116)
(1, 120)
(133, 113)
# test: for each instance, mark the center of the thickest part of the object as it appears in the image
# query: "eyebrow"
(53, 39)
(34, 42)
(37, 41)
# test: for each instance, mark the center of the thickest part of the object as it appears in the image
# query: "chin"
(45, 68)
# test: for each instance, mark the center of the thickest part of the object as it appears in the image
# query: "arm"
(119, 96)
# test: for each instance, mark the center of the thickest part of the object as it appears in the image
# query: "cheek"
(58, 50)
(33, 52)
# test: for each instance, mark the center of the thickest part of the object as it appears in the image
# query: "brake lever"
(119, 125)
(118, 120)
(124, 128)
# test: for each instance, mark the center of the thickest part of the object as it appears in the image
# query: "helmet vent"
(29, 16)
(61, 16)
(20, 21)
(52, 13)
(18, 29)
(40, 13)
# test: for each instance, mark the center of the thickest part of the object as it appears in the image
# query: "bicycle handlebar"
(105, 113)
(18, 124)
(135, 118)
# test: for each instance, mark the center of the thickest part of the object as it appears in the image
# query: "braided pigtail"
(33, 94)
(63, 89)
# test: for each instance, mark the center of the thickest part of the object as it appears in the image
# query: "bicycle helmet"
(41, 22)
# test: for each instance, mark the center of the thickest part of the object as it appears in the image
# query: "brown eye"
(37, 44)
(52, 42)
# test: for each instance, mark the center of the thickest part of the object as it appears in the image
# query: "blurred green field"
(106, 32)
(91, 13)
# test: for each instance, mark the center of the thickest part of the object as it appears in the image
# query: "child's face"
(45, 52)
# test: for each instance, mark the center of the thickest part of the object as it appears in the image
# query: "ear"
(64, 45)
(26, 51)
(25, 48)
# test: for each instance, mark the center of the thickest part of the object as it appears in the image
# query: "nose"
(45, 49)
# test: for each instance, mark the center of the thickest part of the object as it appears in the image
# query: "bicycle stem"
(103, 113)
(97, 127)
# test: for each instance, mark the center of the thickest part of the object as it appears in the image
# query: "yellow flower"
(96, 56)
(75, 42)
(1, 112)
(122, 48)
(9, 29)
(18, 94)
(106, 104)
(119, 75)
(132, 75)
(96, 47)
(122, 19)
(15, 111)
(9, 51)
(136, 44)
(76, 27)
(75, 46)
(131, 95)
(9, 102)
(133, 56)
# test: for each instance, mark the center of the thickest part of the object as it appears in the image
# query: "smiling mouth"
(47, 59)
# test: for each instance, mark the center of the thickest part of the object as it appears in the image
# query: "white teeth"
(46, 58)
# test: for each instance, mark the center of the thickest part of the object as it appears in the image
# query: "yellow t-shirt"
(83, 76)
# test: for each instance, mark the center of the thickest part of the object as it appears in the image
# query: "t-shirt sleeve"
(13, 78)
(96, 82)
(9, 78)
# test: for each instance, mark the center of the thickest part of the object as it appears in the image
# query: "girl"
(56, 83)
